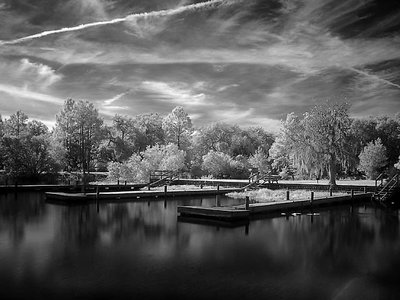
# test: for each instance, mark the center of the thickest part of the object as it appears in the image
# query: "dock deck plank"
(268, 207)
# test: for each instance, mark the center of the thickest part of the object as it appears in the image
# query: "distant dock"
(65, 188)
(223, 213)
(133, 195)
(284, 185)
(232, 213)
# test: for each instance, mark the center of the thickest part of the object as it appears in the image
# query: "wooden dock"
(223, 213)
(133, 195)
(69, 188)
(286, 185)
(269, 207)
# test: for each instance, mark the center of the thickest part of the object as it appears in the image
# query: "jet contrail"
(160, 13)
(375, 77)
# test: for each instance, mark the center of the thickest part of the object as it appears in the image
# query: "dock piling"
(218, 187)
(165, 190)
(330, 192)
(352, 194)
(312, 197)
(287, 195)
(247, 203)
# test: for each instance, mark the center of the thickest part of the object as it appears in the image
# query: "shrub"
(373, 158)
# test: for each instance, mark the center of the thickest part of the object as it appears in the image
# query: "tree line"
(322, 143)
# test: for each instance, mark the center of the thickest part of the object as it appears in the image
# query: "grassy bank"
(266, 195)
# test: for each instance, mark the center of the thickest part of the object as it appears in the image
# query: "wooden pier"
(133, 195)
(225, 213)
(273, 185)
(75, 188)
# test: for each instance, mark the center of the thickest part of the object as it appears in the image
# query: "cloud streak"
(27, 94)
(131, 17)
(375, 77)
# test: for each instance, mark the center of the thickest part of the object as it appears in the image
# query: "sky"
(245, 62)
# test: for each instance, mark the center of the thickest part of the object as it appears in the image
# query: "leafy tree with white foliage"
(260, 161)
(373, 158)
(139, 166)
(80, 129)
(178, 127)
(318, 140)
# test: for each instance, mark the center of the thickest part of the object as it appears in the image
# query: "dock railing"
(377, 179)
(384, 191)
(160, 177)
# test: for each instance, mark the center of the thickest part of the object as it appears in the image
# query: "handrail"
(165, 176)
(394, 181)
(251, 177)
(380, 177)
(251, 183)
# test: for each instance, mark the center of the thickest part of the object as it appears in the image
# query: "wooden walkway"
(69, 188)
(283, 185)
(227, 213)
(224, 213)
(131, 195)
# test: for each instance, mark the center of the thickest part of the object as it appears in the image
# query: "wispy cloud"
(177, 93)
(131, 17)
(30, 95)
(375, 78)
(40, 73)
(255, 59)
(108, 102)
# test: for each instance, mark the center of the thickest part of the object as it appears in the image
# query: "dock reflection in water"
(141, 249)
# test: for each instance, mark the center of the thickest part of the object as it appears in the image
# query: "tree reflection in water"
(17, 211)
(140, 249)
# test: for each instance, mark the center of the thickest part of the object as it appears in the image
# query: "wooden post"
(201, 186)
(312, 197)
(165, 190)
(287, 195)
(247, 202)
(118, 182)
(217, 200)
(125, 182)
(352, 194)
(97, 198)
(330, 192)
(218, 187)
(365, 189)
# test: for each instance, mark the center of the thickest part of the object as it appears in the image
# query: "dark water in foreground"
(140, 250)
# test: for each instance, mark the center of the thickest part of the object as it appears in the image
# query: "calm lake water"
(141, 250)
